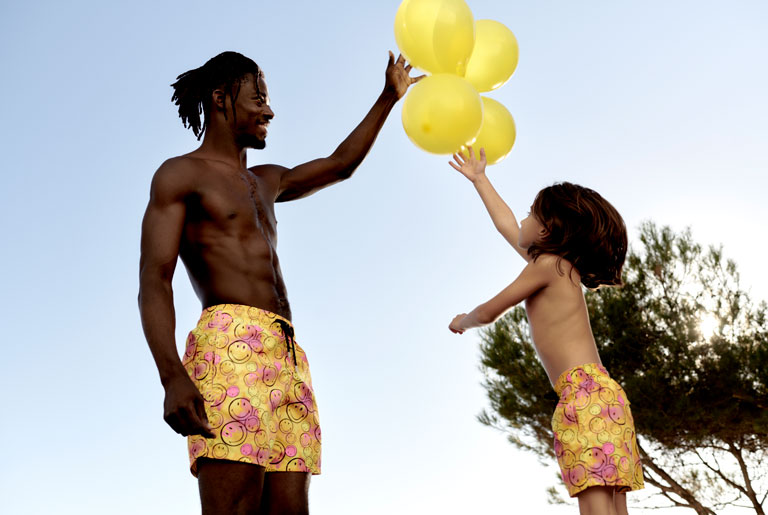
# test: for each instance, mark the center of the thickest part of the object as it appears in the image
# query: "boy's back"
(558, 318)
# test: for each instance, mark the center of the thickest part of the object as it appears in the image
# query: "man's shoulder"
(178, 165)
(176, 175)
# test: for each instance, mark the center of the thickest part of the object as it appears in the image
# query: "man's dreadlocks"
(192, 89)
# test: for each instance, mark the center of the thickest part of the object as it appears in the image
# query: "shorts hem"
(315, 471)
(618, 488)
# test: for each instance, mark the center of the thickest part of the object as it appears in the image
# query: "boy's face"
(531, 231)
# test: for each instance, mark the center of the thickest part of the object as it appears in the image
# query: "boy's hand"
(471, 168)
(455, 325)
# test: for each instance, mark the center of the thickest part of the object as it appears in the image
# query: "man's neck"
(222, 147)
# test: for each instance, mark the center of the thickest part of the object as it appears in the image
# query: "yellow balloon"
(435, 35)
(497, 133)
(494, 57)
(441, 113)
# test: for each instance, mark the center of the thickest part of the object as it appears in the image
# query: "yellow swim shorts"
(595, 440)
(258, 392)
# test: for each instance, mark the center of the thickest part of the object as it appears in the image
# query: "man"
(242, 392)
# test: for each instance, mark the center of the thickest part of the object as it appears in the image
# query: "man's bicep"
(162, 226)
(309, 177)
(161, 234)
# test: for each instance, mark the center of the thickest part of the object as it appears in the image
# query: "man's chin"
(248, 141)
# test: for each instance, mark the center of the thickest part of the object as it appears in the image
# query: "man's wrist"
(169, 377)
(389, 95)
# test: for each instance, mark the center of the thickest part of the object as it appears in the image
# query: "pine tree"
(690, 349)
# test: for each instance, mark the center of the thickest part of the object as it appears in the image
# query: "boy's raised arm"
(503, 218)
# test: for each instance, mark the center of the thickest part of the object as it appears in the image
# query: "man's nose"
(269, 114)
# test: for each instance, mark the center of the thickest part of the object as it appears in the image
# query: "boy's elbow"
(484, 316)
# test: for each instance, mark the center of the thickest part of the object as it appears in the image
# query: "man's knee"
(286, 493)
(229, 487)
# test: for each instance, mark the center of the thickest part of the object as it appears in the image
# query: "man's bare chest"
(235, 201)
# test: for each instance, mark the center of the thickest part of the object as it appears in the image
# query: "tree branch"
(720, 474)
(750, 492)
(675, 487)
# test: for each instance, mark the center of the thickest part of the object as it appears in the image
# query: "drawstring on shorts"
(290, 340)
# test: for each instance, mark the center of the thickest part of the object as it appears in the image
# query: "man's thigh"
(286, 493)
(229, 487)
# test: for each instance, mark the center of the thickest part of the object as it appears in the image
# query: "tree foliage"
(690, 349)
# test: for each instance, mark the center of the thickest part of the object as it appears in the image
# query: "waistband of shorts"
(242, 312)
(590, 370)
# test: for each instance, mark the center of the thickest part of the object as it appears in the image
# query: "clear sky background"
(661, 106)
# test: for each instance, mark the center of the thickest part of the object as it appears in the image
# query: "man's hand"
(455, 326)
(471, 168)
(184, 409)
(398, 78)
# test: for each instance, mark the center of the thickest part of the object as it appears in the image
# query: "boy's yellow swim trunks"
(595, 438)
(257, 389)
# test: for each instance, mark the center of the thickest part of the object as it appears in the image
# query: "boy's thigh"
(597, 500)
(620, 501)
(229, 487)
(286, 493)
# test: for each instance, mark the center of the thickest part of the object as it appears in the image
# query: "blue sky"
(660, 106)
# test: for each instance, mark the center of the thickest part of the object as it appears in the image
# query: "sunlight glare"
(708, 325)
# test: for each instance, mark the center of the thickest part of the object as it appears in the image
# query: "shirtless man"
(242, 392)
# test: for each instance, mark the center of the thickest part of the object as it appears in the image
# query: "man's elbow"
(154, 277)
(344, 167)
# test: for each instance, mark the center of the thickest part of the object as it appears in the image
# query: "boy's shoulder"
(556, 266)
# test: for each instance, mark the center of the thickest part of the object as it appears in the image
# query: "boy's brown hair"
(583, 228)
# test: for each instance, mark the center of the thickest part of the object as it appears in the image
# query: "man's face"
(253, 113)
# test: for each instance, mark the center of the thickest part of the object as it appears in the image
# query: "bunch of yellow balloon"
(444, 112)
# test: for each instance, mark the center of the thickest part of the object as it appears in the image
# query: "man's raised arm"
(160, 238)
(310, 177)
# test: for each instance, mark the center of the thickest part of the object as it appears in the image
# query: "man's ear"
(219, 99)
